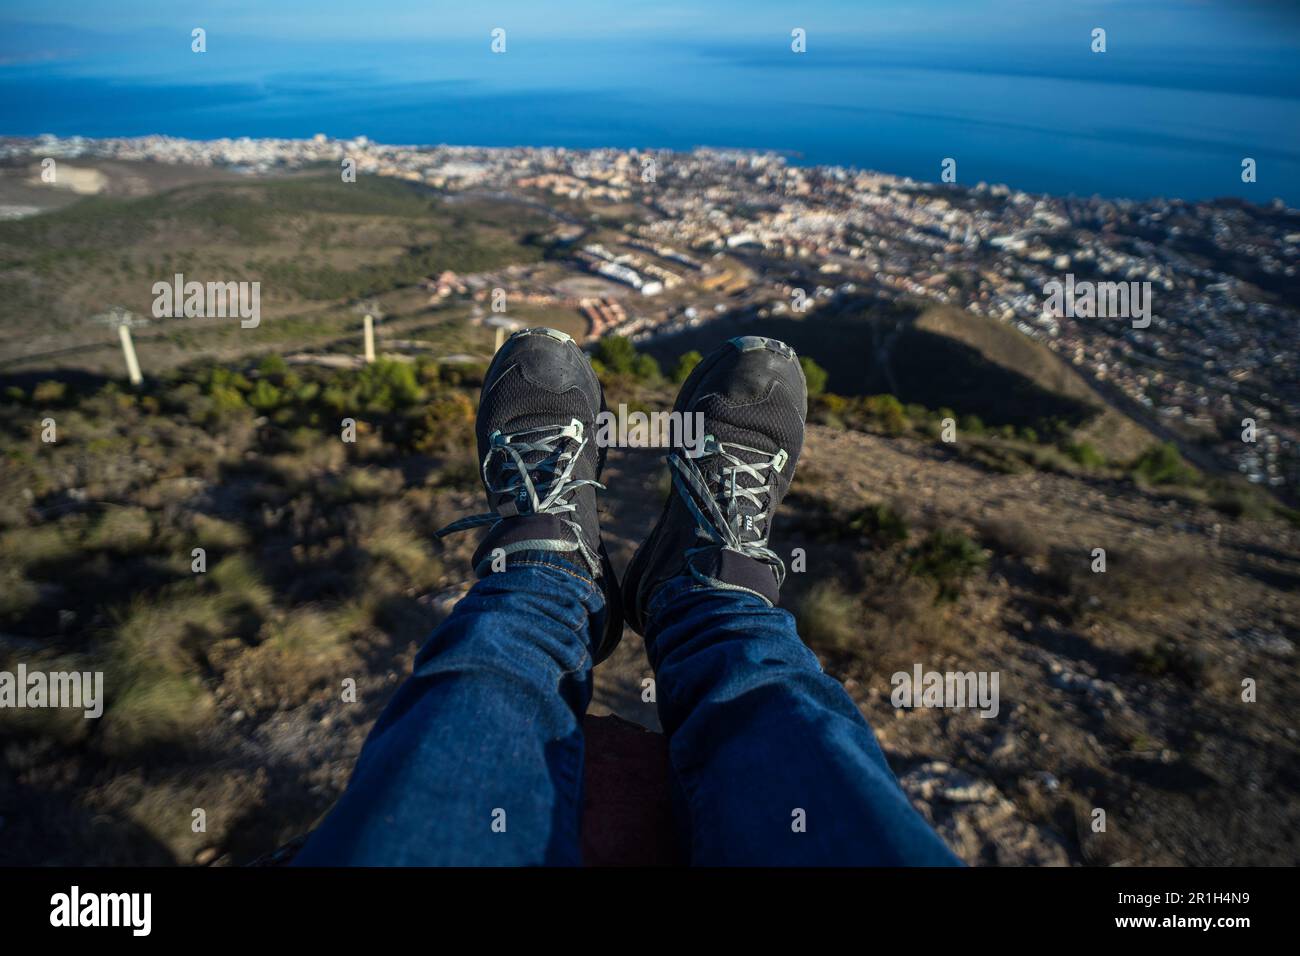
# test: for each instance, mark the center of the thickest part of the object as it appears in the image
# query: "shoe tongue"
(524, 423)
(505, 470)
(739, 509)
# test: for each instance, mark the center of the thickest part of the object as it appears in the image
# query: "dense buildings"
(715, 231)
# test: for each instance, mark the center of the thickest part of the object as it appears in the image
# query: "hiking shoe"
(715, 526)
(536, 432)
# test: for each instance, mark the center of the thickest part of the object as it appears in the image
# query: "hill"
(939, 358)
(1120, 691)
(1109, 430)
(314, 246)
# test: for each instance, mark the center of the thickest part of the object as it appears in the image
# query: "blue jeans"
(478, 759)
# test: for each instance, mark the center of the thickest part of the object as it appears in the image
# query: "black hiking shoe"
(536, 432)
(753, 398)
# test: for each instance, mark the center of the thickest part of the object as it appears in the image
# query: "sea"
(1061, 120)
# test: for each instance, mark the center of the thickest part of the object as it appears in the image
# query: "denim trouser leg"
(764, 745)
(478, 758)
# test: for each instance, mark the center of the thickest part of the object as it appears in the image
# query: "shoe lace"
(535, 469)
(719, 518)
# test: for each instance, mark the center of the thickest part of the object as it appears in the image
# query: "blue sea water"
(1062, 121)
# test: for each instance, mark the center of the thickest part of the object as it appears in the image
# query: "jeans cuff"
(670, 591)
(548, 559)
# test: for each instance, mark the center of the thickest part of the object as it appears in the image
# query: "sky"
(1210, 24)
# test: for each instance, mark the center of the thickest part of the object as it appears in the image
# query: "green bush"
(887, 413)
(646, 369)
(49, 392)
(814, 375)
(387, 385)
(273, 365)
(947, 557)
(685, 365)
(879, 522)
(265, 397)
(1162, 465)
(1082, 453)
(616, 354)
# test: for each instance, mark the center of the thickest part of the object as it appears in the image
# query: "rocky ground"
(1186, 772)
(1092, 716)
(1119, 692)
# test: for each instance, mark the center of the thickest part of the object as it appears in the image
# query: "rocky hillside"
(1120, 691)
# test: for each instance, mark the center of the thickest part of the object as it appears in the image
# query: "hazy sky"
(1207, 23)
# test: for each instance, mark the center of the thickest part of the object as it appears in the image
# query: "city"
(679, 238)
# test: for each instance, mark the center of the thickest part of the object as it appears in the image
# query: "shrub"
(947, 557)
(154, 707)
(1013, 536)
(1162, 465)
(1136, 583)
(685, 365)
(447, 425)
(273, 365)
(17, 594)
(124, 530)
(49, 392)
(215, 533)
(616, 354)
(1082, 453)
(387, 385)
(1239, 501)
(879, 522)
(826, 616)
(887, 412)
(814, 375)
(646, 369)
(265, 397)
(1175, 659)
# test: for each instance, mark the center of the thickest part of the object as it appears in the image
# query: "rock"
(443, 601)
(977, 821)
(1047, 781)
(1004, 748)
(1267, 642)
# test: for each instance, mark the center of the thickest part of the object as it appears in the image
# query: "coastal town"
(648, 243)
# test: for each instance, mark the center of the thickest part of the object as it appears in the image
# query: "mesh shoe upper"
(536, 431)
(718, 519)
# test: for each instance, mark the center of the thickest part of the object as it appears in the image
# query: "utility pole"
(502, 326)
(124, 320)
(370, 311)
